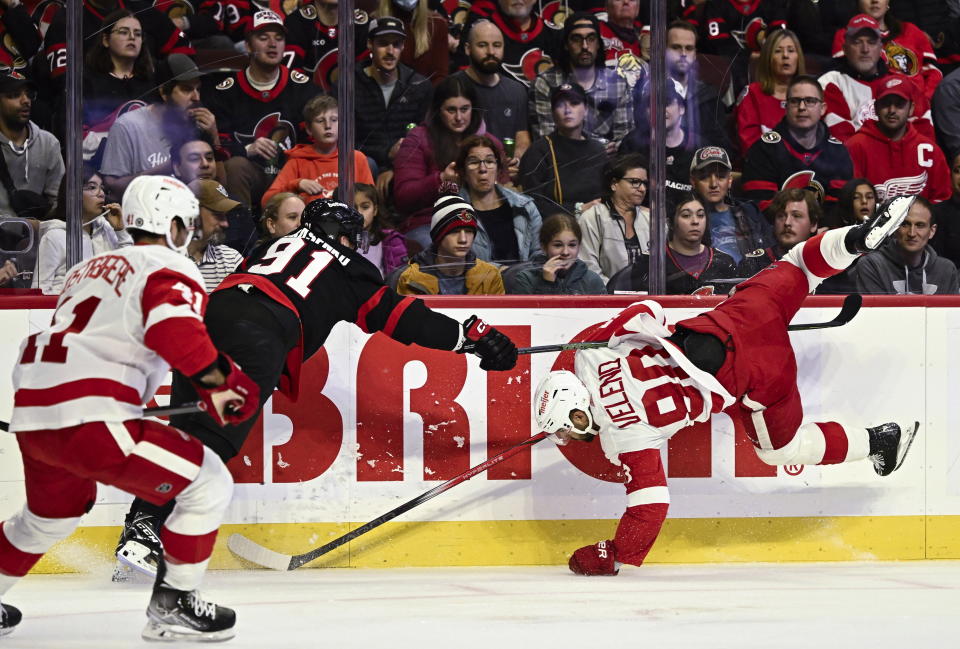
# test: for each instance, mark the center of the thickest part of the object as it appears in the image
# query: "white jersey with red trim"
(643, 389)
(123, 319)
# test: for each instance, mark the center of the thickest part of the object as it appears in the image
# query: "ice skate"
(139, 546)
(183, 615)
(9, 618)
(889, 444)
(868, 236)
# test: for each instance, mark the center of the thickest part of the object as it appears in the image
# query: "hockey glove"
(596, 559)
(233, 401)
(496, 351)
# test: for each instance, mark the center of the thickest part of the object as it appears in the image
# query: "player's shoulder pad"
(360, 17)
(759, 252)
(298, 77)
(771, 137)
(309, 11)
(226, 84)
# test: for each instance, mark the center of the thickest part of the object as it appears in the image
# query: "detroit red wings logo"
(904, 186)
(532, 63)
(279, 130)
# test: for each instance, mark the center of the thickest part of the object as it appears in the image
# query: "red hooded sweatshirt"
(303, 161)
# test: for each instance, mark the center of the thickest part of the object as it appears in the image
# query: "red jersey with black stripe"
(324, 283)
(125, 317)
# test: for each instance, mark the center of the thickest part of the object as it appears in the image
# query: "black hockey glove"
(496, 351)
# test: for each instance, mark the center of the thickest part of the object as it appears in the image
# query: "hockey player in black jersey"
(276, 311)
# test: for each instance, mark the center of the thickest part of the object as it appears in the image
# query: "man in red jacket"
(892, 154)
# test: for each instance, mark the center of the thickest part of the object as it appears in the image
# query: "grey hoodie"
(37, 166)
(884, 272)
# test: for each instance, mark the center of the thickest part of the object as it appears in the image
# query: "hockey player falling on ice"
(648, 384)
(124, 318)
(277, 310)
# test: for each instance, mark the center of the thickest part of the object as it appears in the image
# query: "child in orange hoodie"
(311, 169)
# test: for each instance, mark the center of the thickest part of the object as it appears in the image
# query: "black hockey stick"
(256, 553)
(164, 411)
(851, 305)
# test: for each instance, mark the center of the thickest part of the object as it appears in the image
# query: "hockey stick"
(256, 553)
(164, 411)
(851, 306)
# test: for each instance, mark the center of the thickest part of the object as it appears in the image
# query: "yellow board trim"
(516, 543)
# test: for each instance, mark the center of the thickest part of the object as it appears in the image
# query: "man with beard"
(139, 142)
(529, 40)
(214, 259)
(609, 105)
(502, 100)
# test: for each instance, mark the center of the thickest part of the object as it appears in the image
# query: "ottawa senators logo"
(555, 12)
(771, 137)
(298, 77)
(279, 130)
(804, 180)
(226, 84)
(532, 63)
(901, 59)
(325, 74)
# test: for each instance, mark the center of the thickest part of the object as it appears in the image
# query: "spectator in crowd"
(581, 61)
(801, 142)
(796, 214)
(734, 227)
(313, 39)
(214, 259)
(892, 154)
(20, 39)
(764, 102)
(311, 169)
(118, 75)
(508, 223)
(947, 216)
(281, 216)
(30, 154)
(680, 142)
(530, 41)
(557, 270)
(448, 266)
(620, 31)
(946, 113)
(139, 141)
(428, 52)
(103, 230)
(202, 22)
(385, 247)
(616, 230)
(908, 50)
(427, 157)
(907, 264)
(501, 99)
(388, 96)
(848, 90)
(194, 157)
(259, 108)
(564, 168)
(857, 203)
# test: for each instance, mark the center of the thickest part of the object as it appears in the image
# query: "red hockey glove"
(496, 351)
(233, 401)
(596, 559)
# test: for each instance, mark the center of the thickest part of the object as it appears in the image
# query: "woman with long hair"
(426, 49)
(856, 203)
(764, 102)
(426, 159)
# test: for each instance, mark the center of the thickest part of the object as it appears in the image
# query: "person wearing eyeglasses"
(801, 142)
(508, 222)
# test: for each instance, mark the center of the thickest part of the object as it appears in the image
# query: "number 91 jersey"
(124, 317)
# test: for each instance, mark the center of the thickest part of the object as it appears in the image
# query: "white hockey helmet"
(150, 204)
(557, 395)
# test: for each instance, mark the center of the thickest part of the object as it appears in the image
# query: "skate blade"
(7, 630)
(156, 632)
(905, 447)
(896, 213)
(139, 567)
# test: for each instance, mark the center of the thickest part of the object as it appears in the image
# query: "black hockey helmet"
(332, 219)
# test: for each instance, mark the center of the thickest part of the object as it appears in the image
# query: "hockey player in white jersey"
(649, 383)
(124, 318)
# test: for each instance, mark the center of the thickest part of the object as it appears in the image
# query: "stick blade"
(253, 552)
(851, 306)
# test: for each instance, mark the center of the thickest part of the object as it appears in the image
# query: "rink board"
(378, 423)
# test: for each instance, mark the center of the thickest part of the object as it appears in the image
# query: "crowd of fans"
(501, 146)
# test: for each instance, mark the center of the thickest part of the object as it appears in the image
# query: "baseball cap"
(709, 155)
(212, 195)
(386, 25)
(179, 67)
(568, 91)
(450, 213)
(11, 81)
(861, 22)
(266, 19)
(895, 85)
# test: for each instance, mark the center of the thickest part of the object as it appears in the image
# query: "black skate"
(889, 444)
(868, 236)
(183, 615)
(139, 547)
(9, 618)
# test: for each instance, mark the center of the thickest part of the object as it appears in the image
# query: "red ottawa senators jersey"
(526, 53)
(312, 46)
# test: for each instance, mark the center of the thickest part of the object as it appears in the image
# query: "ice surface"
(909, 605)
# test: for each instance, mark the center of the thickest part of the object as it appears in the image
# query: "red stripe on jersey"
(760, 186)
(14, 562)
(183, 342)
(396, 314)
(57, 394)
(187, 548)
(836, 442)
(813, 258)
(167, 286)
(171, 47)
(367, 307)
